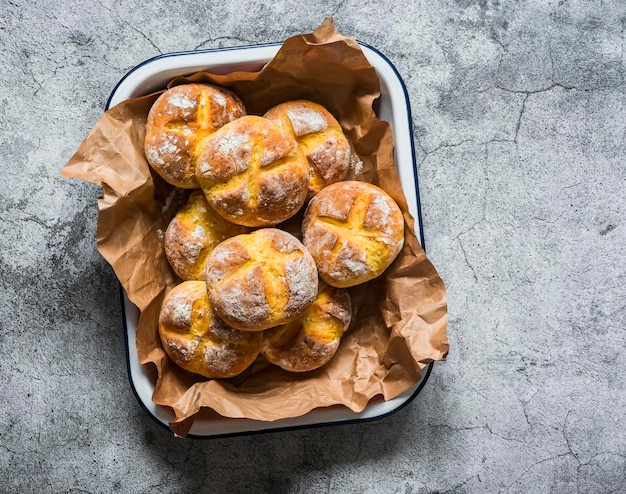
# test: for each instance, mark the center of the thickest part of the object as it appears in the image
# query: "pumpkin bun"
(197, 340)
(193, 233)
(310, 341)
(262, 279)
(179, 121)
(253, 172)
(354, 231)
(321, 138)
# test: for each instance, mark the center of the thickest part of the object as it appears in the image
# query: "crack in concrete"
(32, 75)
(221, 38)
(420, 145)
(486, 427)
(337, 8)
(505, 50)
(466, 259)
(591, 462)
(557, 85)
(519, 119)
(458, 486)
(23, 452)
(525, 411)
(527, 93)
(506, 438)
(567, 439)
(539, 462)
(446, 145)
(570, 452)
(27, 374)
(145, 36)
(482, 219)
(126, 23)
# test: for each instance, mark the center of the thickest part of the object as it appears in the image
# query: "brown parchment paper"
(400, 320)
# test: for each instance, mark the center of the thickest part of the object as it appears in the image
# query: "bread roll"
(193, 233)
(179, 120)
(197, 340)
(253, 173)
(261, 279)
(354, 231)
(321, 138)
(311, 340)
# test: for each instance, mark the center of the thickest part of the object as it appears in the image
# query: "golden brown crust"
(310, 341)
(179, 120)
(253, 173)
(193, 233)
(321, 138)
(261, 280)
(197, 340)
(354, 231)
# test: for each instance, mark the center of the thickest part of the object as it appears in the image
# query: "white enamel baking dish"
(393, 106)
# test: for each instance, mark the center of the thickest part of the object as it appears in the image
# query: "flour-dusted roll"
(312, 340)
(354, 231)
(197, 340)
(179, 120)
(253, 172)
(261, 279)
(193, 233)
(321, 138)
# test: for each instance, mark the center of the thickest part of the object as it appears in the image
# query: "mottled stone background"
(519, 114)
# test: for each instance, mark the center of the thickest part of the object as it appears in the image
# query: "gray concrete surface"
(519, 112)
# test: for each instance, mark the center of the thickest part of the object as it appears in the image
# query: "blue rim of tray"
(425, 373)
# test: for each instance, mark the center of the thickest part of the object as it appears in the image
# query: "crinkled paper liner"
(400, 319)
